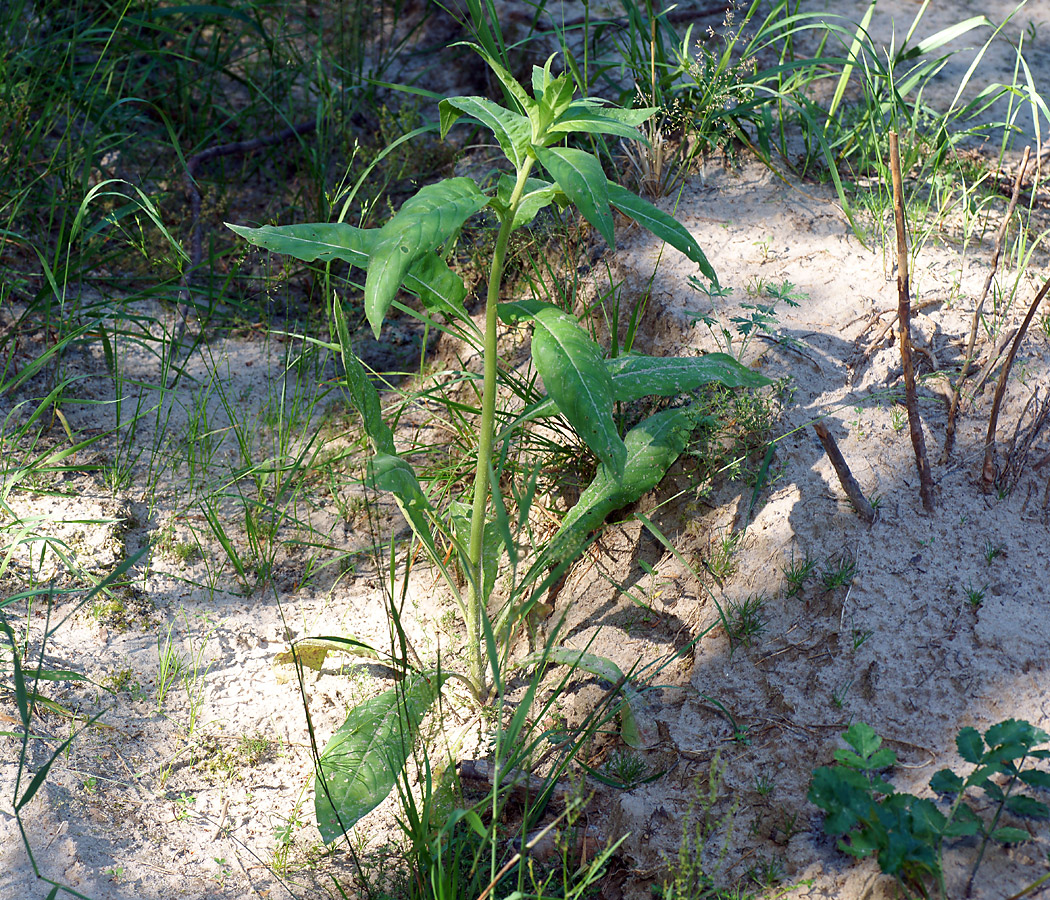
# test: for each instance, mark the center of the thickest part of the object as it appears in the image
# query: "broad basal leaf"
(652, 447)
(513, 131)
(423, 223)
(636, 376)
(360, 764)
(637, 723)
(664, 226)
(575, 376)
(311, 652)
(581, 179)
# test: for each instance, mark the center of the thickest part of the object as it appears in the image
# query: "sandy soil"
(208, 792)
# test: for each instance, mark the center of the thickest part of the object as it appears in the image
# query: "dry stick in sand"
(949, 436)
(911, 399)
(846, 479)
(988, 473)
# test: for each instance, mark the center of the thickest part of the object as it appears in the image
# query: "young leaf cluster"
(906, 833)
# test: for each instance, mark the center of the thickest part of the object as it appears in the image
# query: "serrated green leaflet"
(423, 223)
(581, 179)
(361, 761)
(665, 227)
(512, 131)
(574, 374)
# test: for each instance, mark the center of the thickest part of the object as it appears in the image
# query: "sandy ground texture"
(918, 624)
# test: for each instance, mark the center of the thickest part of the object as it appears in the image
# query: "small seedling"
(764, 785)
(860, 637)
(797, 572)
(745, 621)
(906, 834)
(898, 418)
(721, 565)
(974, 596)
(992, 552)
(838, 573)
(838, 696)
(626, 767)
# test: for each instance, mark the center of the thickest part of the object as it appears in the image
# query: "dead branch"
(911, 399)
(846, 479)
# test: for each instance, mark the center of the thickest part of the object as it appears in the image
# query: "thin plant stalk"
(476, 597)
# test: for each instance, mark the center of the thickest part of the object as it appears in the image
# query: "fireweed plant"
(363, 760)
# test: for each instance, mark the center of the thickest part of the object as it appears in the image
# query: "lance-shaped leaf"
(492, 545)
(363, 394)
(637, 723)
(575, 376)
(429, 278)
(581, 179)
(636, 376)
(665, 227)
(423, 223)
(538, 195)
(324, 241)
(652, 447)
(513, 131)
(598, 120)
(391, 473)
(509, 82)
(361, 762)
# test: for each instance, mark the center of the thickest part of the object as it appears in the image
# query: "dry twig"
(911, 399)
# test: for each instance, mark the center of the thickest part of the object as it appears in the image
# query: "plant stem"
(476, 598)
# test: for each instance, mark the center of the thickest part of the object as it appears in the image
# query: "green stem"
(476, 600)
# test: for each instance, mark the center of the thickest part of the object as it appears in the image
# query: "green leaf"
(970, 745)
(652, 447)
(429, 278)
(1010, 835)
(440, 289)
(575, 377)
(423, 223)
(947, 782)
(391, 473)
(1023, 805)
(1036, 778)
(1014, 731)
(635, 376)
(362, 760)
(595, 120)
(513, 131)
(843, 794)
(538, 195)
(637, 726)
(363, 394)
(581, 179)
(324, 241)
(862, 738)
(509, 82)
(664, 226)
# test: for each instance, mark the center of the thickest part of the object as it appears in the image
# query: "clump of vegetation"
(905, 833)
